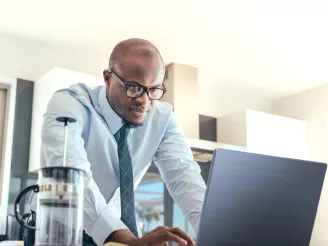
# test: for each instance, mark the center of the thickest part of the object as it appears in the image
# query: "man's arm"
(99, 219)
(180, 173)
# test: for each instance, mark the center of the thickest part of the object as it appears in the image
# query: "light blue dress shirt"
(92, 147)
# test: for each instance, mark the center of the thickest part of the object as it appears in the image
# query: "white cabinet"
(265, 133)
(276, 135)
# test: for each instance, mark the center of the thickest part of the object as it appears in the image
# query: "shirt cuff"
(106, 225)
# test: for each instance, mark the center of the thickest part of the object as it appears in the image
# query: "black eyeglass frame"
(145, 89)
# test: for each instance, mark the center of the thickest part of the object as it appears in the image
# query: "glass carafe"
(59, 211)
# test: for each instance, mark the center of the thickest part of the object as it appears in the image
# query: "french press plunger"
(59, 211)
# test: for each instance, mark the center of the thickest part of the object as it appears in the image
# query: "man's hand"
(162, 235)
(158, 237)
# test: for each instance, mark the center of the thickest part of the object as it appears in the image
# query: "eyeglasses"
(137, 90)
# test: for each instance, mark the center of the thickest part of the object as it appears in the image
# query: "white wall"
(29, 59)
(220, 100)
(312, 106)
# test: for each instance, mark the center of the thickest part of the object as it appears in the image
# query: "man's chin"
(132, 124)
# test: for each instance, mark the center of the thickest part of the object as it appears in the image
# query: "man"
(120, 129)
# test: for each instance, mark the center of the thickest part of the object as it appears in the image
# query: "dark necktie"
(126, 181)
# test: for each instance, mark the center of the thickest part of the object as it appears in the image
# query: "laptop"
(260, 200)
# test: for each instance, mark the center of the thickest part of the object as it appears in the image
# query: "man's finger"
(157, 230)
(182, 234)
(160, 229)
(170, 237)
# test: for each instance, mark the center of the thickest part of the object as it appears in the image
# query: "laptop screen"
(255, 199)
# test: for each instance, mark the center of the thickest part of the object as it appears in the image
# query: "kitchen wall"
(29, 59)
(221, 100)
(312, 106)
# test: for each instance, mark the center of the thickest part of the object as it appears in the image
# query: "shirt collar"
(113, 120)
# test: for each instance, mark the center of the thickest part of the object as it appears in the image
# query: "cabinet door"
(276, 135)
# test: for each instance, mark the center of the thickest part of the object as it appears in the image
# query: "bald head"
(136, 64)
(133, 47)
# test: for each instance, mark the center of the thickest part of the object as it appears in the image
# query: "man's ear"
(107, 76)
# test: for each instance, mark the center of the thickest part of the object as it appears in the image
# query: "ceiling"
(274, 47)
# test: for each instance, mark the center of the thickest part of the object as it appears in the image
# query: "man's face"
(133, 70)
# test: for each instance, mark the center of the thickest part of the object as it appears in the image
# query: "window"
(180, 221)
(149, 201)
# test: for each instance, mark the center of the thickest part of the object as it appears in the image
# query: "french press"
(59, 210)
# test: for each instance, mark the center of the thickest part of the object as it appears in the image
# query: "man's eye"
(135, 88)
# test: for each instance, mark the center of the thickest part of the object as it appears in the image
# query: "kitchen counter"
(12, 243)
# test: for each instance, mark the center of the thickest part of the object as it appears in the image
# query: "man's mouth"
(139, 112)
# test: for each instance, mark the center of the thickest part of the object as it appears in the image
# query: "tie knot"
(122, 134)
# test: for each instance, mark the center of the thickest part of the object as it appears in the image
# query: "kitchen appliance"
(59, 211)
(13, 231)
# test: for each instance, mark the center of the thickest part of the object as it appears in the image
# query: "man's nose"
(143, 99)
